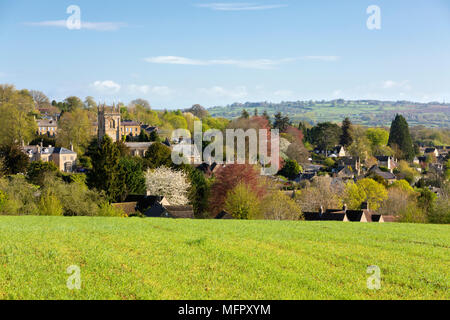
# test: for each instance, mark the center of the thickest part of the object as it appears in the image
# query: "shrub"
(278, 206)
(49, 204)
(242, 203)
(108, 210)
(291, 169)
(21, 196)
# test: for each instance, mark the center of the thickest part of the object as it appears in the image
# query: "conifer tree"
(106, 171)
(400, 137)
(346, 138)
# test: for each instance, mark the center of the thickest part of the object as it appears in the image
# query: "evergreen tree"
(346, 138)
(245, 114)
(400, 137)
(266, 115)
(13, 158)
(281, 122)
(158, 155)
(199, 192)
(154, 136)
(106, 173)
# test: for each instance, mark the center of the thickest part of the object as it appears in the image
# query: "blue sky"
(177, 53)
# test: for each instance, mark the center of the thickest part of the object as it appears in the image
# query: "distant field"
(366, 114)
(200, 259)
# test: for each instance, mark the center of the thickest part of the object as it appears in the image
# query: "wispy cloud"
(239, 92)
(106, 87)
(320, 58)
(239, 6)
(146, 89)
(97, 26)
(253, 64)
(390, 84)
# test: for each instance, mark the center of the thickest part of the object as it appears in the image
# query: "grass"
(195, 259)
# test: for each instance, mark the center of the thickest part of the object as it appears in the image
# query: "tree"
(38, 170)
(199, 192)
(158, 155)
(320, 193)
(74, 129)
(281, 122)
(17, 111)
(133, 175)
(346, 138)
(404, 171)
(141, 102)
(378, 137)
(169, 183)
(245, 114)
(228, 177)
(198, 111)
(297, 151)
(278, 206)
(14, 160)
(242, 203)
(106, 173)
(266, 115)
(40, 99)
(49, 204)
(290, 170)
(365, 190)
(325, 135)
(73, 103)
(89, 103)
(399, 136)
(154, 136)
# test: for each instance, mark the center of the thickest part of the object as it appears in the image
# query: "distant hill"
(366, 112)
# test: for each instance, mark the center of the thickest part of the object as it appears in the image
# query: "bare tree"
(40, 99)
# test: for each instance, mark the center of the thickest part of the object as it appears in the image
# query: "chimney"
(321, 210)
(71, 146)
(365, 206)
(345, 207)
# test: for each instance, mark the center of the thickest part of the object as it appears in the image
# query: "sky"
(179, 53)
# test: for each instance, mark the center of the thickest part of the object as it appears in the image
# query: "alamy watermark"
(74, 21)
(374, 281)
(74, 280)
(250, 146)
(374, 20)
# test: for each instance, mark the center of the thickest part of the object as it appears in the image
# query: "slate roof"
(177, 212)
(130, 123)
(386, 175)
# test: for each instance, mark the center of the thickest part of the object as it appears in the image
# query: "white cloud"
(98, 26)
(145, 89)
(390, 84)
(321, 58)
(283, 94)
(107, 86)
(236, 6)
(239, 92)
(252, 64)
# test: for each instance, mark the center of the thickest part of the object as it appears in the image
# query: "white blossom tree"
(168, 183)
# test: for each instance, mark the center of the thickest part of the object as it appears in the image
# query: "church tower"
(109, 122)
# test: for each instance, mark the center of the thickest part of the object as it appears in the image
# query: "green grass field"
(196, 259)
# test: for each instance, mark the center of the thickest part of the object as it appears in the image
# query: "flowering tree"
(169, 183)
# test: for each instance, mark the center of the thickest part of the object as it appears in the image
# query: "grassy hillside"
(189, 259)
(371, 113)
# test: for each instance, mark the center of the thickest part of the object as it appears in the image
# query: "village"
(319, 165)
